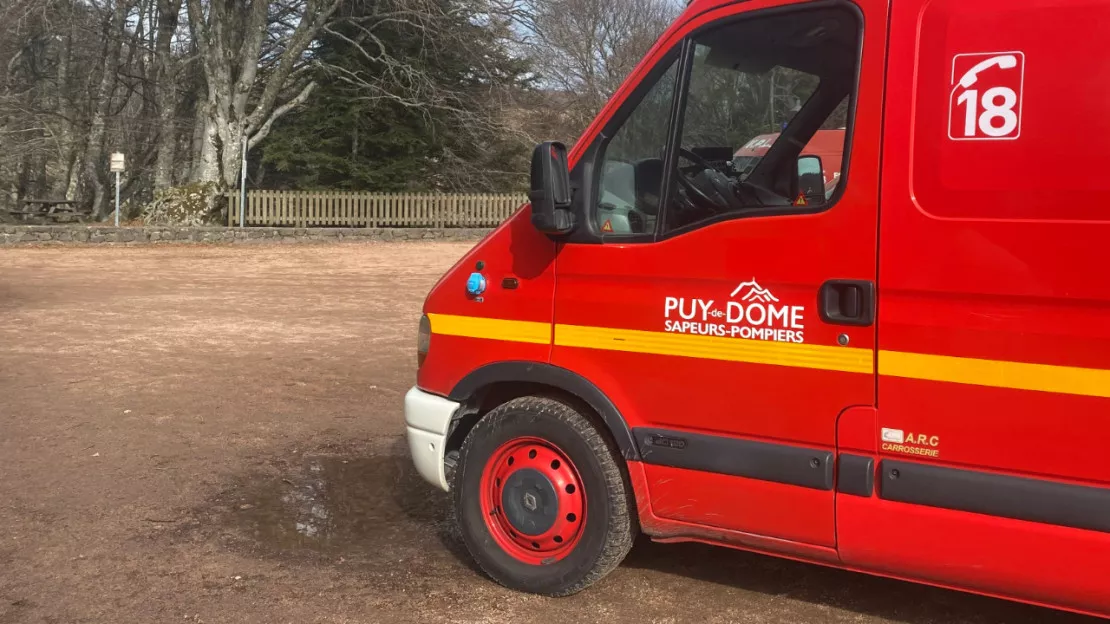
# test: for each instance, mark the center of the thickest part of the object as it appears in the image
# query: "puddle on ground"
(332, 503)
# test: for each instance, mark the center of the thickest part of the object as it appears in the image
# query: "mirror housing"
(550, 190)
(811, 179)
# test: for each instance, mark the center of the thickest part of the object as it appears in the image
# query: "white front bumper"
(427, 418)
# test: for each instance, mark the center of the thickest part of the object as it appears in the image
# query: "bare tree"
(583, 49)
(115, 23)
(181, 85)
(253, 55)
(165, 80)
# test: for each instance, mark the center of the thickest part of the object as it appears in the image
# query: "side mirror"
(550, 192)
(811, 179)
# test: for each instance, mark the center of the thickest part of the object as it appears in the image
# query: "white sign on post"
(117, 165)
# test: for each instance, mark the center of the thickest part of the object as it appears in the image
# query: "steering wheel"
(720, 184)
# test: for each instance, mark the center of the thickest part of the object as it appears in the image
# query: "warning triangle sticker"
(607, 226)
(801, 200)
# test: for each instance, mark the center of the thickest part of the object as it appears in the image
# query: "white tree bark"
(240, 102)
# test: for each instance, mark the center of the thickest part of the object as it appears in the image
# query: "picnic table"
(57, 210)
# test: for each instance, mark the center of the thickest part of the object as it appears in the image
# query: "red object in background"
(975, 408)
(828, 144)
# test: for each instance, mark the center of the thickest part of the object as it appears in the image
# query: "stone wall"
(76, 234)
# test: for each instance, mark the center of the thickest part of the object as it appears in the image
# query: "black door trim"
(855, 475)
(766, 461)
(1019, 498)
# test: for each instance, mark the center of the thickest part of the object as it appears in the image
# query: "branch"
(248, 52)
(278, 113)
(304, 35)
(198, 26)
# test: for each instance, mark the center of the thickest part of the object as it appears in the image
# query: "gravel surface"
(214, 434)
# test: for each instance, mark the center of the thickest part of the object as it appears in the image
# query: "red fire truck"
(909, 377)
(827, 146)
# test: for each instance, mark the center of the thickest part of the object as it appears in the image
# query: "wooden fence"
(339, 209)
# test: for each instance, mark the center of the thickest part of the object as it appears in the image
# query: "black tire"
(609, 528)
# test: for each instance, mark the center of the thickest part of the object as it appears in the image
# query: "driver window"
(631, 174)
(764, 124)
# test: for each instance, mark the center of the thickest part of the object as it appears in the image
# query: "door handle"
(847, 302)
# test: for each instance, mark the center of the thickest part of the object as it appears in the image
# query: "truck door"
(994, 360)
(726, 313)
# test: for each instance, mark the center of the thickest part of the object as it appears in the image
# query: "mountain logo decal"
(754, 293)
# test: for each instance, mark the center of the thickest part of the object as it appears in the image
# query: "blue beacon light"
(476, 284)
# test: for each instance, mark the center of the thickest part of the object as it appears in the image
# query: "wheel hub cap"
(533, 501)
(529, 501)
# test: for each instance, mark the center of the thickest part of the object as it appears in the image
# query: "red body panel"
(783, 511)
(964, 271)
(1037, 563)
(515, 249)
(670, 530)
(988, 248)
(855, 430)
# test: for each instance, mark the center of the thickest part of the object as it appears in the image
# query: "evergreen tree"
(420, 103)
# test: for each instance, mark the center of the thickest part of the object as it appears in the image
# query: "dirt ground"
(214, 434)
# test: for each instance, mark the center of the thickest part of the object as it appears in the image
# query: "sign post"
(117, 166)
(243, 183)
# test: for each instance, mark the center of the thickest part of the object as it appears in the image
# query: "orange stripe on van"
(996, 373)
(943, 368)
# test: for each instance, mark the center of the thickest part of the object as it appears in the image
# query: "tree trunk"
(74, 176)
(208, 163)
(166, 85)
(230, 43)
(200, 130)
(66, 181)
(94, 151)
(167, 148)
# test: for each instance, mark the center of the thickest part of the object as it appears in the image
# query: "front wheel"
(540, 498)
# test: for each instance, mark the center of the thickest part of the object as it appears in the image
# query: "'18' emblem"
(985, 102)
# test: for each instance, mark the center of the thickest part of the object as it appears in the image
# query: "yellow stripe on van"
(490, 328)
(996, 373)
(971, 371)
(850, 360)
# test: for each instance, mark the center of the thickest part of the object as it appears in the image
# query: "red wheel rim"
(533, 501)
